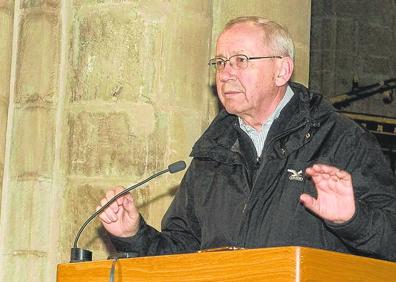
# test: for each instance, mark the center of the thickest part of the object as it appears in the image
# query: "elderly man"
(279, 166)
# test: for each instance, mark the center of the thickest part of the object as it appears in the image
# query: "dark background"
(356, 40)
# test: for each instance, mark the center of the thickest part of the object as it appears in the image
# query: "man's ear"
(285, 71)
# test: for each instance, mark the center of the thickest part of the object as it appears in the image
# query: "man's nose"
(227, 73)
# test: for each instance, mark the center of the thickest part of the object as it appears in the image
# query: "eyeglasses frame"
(213, 60)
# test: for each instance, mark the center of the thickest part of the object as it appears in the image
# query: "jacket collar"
(305, 109)
(219, 139)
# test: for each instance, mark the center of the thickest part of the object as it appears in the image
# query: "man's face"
(249, 92)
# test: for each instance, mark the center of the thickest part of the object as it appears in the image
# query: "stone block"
(203, 7)
(77, 3)
(376, 13)
(316, 33)
(116, 143)
(347, 8)
(185, 72)
(27, 215)
(328, 83)
(6, 24)
(38, 59)
(112, 54)
(315, 81)
(30, 3)
(343, 78)
(214, 106)
(39, 3)
(6, 4)
(346, 60)
(185, 129)
(1, 177)
(346, 35)
(301, 73)
(315, 62)
(328, 60)
(394, 23)
(130, 53)
(393, 65)
(322, 8)
(3, 128)
(25, 266)
(328, 34)
(365, 78)
(32, 147)
(375, 40)
(376, 65)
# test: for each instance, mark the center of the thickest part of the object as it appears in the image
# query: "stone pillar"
(29, 161)
(6, 26)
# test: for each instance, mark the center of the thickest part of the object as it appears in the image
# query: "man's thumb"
(307, 201)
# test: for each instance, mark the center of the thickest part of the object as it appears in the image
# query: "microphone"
(78, 254)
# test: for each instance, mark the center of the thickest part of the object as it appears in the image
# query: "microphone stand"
(80, 255)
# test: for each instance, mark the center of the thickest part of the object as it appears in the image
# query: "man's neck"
(256, 120)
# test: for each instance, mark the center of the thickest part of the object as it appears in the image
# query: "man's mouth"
(231, 92)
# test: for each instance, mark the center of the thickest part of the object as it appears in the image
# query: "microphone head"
(177, 166)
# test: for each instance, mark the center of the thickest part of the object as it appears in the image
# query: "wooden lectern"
(279, 264)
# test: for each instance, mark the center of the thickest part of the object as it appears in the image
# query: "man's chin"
(234, 110)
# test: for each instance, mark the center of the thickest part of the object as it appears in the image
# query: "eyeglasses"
(237, 62)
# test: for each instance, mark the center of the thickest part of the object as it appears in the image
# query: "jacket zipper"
(243, 218)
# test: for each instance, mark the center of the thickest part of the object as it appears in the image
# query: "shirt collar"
(275, 114)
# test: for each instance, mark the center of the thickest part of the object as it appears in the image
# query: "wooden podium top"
(280, 264)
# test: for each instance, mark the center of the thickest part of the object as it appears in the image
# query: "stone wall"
(353, 38)
(97, 94)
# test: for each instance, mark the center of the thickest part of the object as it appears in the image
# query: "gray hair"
(276, 36)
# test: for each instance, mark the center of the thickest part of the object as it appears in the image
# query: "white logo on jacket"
(295, 175)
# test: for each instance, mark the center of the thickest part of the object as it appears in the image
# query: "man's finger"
(109, 195)
(130, 207)
(103, 216)
(343, 175)
(111, 211)
(309, 202)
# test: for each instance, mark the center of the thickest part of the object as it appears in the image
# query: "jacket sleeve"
(372, 230)
(180, 228)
